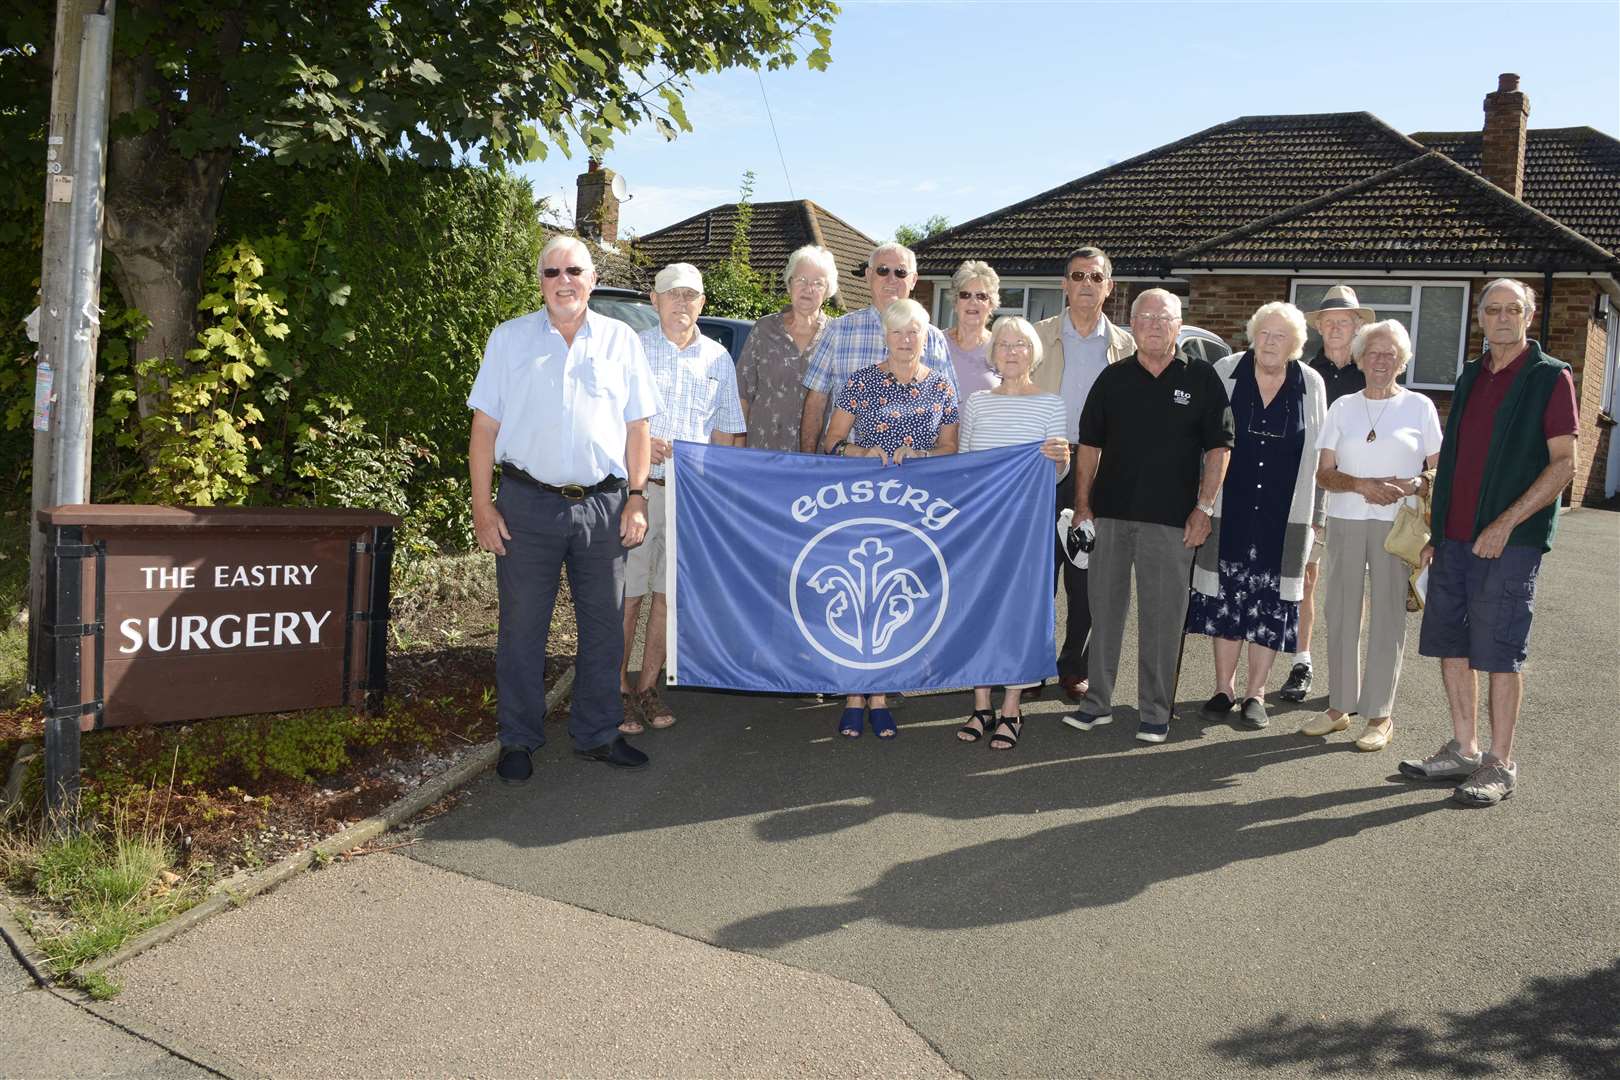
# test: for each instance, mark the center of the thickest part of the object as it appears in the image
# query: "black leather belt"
(574, 492)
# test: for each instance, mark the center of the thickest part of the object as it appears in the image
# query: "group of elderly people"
(1221, 488)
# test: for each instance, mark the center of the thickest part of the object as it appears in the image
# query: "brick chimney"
(1507, 112)
(596, 208)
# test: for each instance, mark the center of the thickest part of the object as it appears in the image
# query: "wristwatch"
(841, 447)
(1208, 509)
(637, 491)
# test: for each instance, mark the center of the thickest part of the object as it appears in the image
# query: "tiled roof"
(1428, 213)
(776, 230)
(1571, 174)
(1143, 210)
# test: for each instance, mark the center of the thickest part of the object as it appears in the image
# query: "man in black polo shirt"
(1155, 436)
(1336, 320)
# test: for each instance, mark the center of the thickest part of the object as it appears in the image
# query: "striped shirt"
(857, 341)
(991, 420)
(698, 385)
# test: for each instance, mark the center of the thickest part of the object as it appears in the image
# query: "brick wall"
(1222, 303)
(1592, 446)
(923, 293)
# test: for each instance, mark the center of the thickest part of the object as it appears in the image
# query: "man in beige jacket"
(1075, 347)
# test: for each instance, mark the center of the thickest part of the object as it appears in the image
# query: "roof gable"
(1427, 213)
(775, 231)
(1571, 174)
(1145, 209)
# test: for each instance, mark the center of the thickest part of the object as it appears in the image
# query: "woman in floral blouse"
(892, 411)
(770, 371)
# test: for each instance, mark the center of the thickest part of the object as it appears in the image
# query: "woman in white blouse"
(1015, 411)
(1375, 449)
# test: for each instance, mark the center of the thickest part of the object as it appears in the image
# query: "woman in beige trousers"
(1374, 449)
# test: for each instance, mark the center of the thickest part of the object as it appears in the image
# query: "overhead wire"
(780, 156)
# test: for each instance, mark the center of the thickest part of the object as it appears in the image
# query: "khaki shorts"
(1318, 545)
(644, 563)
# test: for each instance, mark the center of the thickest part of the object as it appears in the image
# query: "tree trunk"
(161, 210)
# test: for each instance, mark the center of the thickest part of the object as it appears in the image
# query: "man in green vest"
(1509, 452)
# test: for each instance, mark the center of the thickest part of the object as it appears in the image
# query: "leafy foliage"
(734, 288)
(910, 234)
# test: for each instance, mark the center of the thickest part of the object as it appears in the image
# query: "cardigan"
(1300, 535)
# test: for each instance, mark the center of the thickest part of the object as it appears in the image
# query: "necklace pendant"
(1372, 436)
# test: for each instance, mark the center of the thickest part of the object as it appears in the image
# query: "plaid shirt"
(698, 385)
(857, 341)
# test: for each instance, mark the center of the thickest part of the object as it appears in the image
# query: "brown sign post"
(157, 614)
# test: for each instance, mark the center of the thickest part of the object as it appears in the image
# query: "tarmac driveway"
(1230, 902)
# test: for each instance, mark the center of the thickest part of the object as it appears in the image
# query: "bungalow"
(1280, 207)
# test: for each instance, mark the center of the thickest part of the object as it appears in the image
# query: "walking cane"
(1175, 689)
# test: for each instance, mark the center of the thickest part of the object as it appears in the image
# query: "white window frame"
(943, 296)
(1416, 313)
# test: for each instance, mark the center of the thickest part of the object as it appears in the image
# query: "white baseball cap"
(678, 276)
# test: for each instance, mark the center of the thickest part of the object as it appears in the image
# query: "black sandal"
(1008, 728)
(978, 725)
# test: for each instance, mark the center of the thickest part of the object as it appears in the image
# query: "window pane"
(945, 303)
(1044, 303)
(1438, 347)
(1375, 296)
(1012, 300)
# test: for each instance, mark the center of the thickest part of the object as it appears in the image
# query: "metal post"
(61, 642)
(53, 288)
(382, 571)
(82, 325)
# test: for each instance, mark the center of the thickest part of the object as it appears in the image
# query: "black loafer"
(1254, 714)
(515, 765)
(618, 752)
(1217, 707)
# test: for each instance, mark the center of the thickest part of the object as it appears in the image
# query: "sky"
(962, 108)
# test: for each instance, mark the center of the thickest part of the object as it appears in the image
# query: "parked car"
(1199, 344)
(636, 309)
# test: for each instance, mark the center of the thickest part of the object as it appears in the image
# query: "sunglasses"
(1096, 277)
(981, 297)
(553, 271)
(884, 271)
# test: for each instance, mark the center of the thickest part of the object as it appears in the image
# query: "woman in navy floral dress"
(1249, 576)
(892, 411)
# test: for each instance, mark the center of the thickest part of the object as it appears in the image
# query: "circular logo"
(869, 592)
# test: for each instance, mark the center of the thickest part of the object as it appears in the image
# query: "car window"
(637, 313)
(723, 334)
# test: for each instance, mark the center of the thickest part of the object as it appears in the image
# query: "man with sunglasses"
(561, 404)
(857, 340)
(1077, 345)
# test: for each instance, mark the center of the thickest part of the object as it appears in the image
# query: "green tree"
(910, 234)
(734, 289)
(201, 86)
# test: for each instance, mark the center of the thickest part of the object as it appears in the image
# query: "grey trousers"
(1355, 554)
(548, 533)
(1163, 566)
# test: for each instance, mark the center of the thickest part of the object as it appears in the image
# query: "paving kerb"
(235, 892)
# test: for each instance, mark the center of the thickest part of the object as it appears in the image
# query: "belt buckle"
(575, 492)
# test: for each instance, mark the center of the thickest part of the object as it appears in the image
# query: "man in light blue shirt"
(697, 383)
(857, 340)
(561, 404)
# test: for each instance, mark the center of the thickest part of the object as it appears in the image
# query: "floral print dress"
(1256, 495)
(889, 413)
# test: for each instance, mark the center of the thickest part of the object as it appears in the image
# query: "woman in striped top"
(1014, 412)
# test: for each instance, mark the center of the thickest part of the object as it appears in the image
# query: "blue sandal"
(883, 723)
(851, 723)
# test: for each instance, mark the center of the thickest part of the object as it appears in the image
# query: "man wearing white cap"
(1336, 320)
(697, 382)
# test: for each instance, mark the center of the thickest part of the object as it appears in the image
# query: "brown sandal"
(654, 711)
(632, 722)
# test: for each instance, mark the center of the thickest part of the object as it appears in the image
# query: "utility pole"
(70, 425)
(55, 286)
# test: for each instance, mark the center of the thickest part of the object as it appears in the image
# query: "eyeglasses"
(885, 271)
(1493, 311)
(554, 271)
(1381, 354)
(1155, 320)
(1017, 345)
(684, 296)
(981, 297)
(1096, 277)
(813, 284)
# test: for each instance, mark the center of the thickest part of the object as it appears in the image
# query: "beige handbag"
(1409, 535)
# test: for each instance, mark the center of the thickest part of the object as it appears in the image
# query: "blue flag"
(809, 574)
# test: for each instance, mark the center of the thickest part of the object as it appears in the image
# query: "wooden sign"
(163, 614)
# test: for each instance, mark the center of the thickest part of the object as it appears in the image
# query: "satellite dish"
(620, 190)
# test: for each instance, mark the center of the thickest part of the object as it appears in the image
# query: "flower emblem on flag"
(869, 592)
